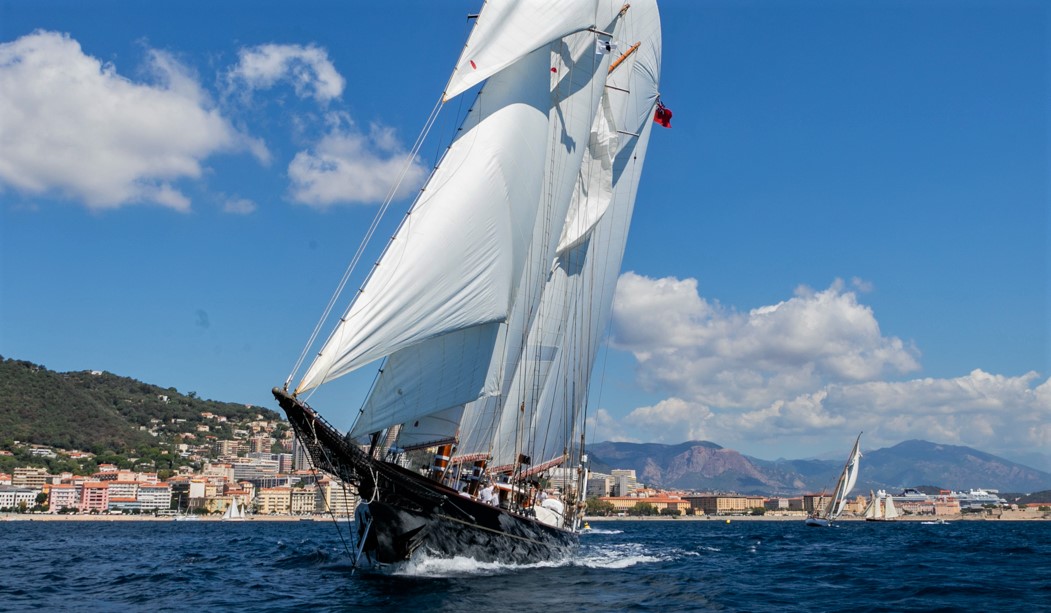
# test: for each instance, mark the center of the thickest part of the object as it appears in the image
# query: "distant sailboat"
(234, 512)
(844, 485)
(881, 507)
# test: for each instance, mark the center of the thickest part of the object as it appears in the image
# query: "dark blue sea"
(626, 565)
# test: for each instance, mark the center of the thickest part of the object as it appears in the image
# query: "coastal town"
(245, 473)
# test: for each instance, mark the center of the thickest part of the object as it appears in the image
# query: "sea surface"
(675, 565)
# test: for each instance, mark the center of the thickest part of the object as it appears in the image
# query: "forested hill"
(98, 411)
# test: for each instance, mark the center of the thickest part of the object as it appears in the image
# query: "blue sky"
(846, 228)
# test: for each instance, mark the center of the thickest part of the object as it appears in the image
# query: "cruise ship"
(978, 498)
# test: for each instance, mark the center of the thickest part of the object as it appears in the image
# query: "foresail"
(457, 257)
(438, 374)
(506, 30)
(434, 429)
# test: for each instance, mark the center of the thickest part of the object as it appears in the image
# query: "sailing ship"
(234, 512)
(881, 507)
(487, 306)
(845, 483)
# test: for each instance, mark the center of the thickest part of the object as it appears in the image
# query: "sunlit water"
(640, 566)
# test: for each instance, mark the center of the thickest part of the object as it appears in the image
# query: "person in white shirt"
(487, 494)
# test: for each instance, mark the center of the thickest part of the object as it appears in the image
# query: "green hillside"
(98, 412)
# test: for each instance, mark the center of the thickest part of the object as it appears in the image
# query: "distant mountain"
(951, 467)
(96, 411)
(706, 466)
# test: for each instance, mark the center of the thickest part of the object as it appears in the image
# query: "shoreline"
(43, 517)
(800, 518)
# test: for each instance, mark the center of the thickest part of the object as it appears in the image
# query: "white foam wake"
(618, 555)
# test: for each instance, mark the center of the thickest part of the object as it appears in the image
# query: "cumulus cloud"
(239, 206)
(347, 167)
(71, 124)
(307, 69)
(722, 357)
(807, 369)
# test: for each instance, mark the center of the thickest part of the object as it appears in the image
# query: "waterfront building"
(94, 497)
(713, 504)
(784, 505)
(123, 489)
(304, 500)
(625, 504)
(337, 498)
(274, 501)
(122, 504)
(62, 496)
(154, 497)
(816, 503)
(12, 497)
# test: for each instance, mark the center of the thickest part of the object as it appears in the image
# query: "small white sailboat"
(234, 512)
(881, 507)
(844, 485)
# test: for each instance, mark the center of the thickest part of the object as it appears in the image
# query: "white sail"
(506, 30)
(890, 511)
(871, 510)
(484, 193)
(233, 512)
(428, 378)
(434, 429)
(543, 409)
(846, 481)
(578, 76)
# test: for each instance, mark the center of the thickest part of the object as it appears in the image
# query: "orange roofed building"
(624, 504)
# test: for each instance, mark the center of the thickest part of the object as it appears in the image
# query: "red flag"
(662, 115)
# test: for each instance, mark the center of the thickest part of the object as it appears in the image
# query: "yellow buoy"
(727, 521)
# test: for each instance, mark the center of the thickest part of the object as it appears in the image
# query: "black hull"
(404, 513)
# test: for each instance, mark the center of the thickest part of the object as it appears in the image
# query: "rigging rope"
(368, 236)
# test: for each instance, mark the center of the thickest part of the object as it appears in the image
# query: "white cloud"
(239, 206)
(802, 372)
(347, 166)
(72, 125)
(721, 357)
(308, 69)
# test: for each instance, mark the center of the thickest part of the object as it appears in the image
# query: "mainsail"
(846, 481)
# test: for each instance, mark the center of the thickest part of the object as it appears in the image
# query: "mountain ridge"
(707, 466)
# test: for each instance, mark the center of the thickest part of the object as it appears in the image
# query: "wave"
(614, 556)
